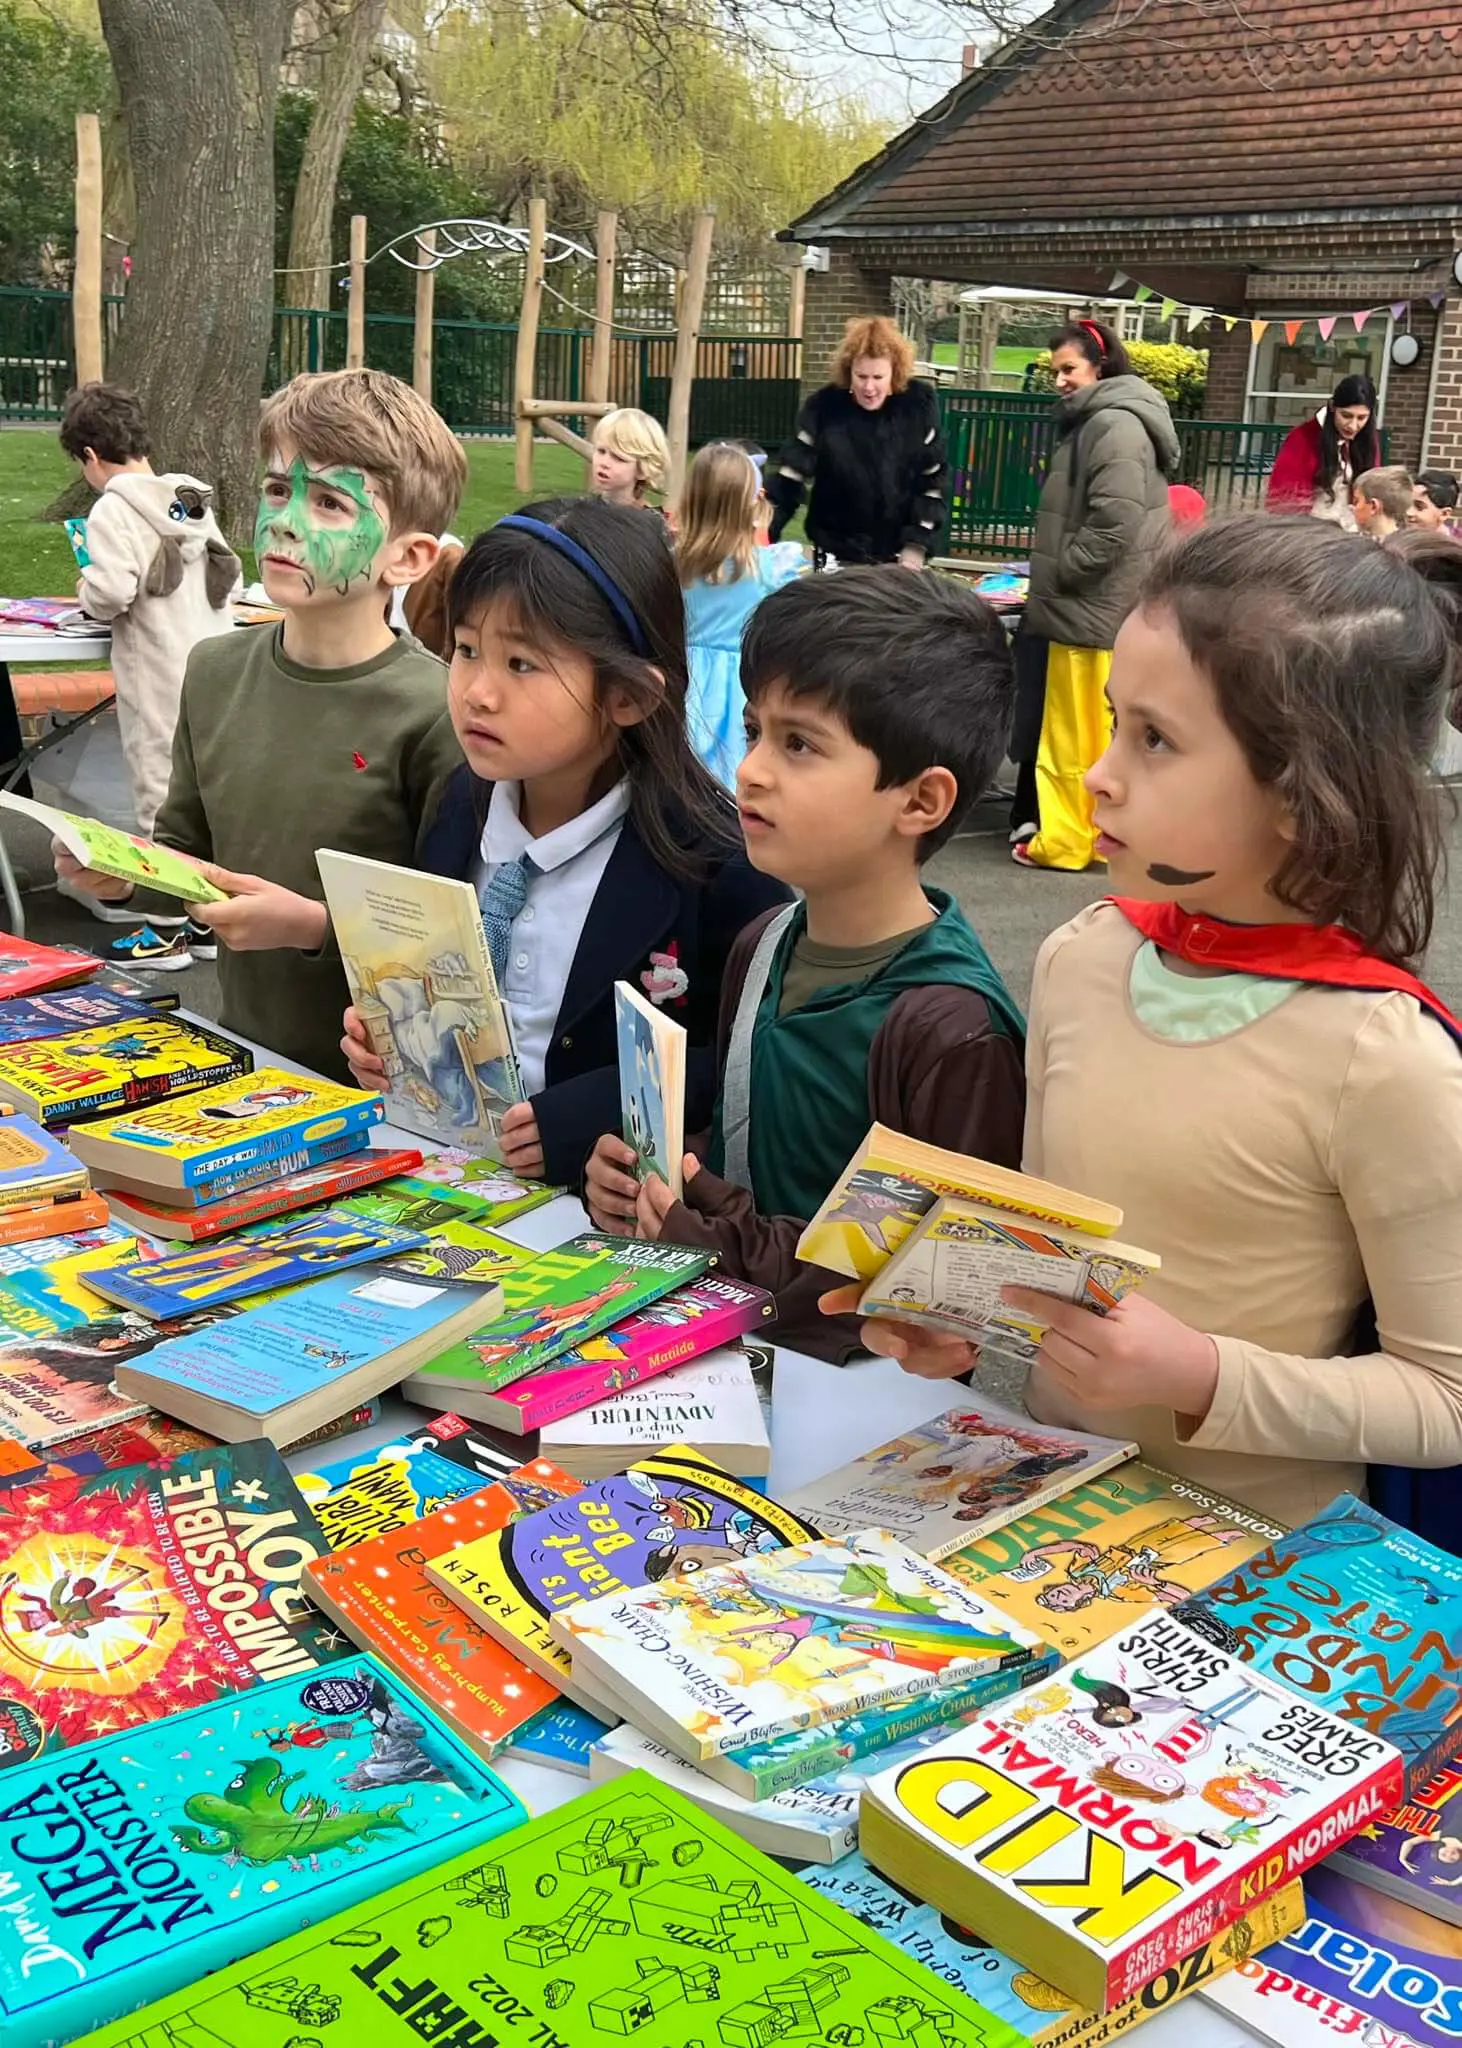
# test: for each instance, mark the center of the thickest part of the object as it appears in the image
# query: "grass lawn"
(1009, 361)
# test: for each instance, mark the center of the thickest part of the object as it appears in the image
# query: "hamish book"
(133, 1866)
(86, 1073)
(624, 1915)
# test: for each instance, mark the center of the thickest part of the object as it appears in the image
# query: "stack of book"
(45, 1190)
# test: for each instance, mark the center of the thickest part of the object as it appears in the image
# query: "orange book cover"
(379, 1593)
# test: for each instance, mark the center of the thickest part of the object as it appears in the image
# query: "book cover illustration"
(973, 1468)
(1414, 1853)
(710, 1403)
(366, 1494)
(451, 1185)
(625, 1915)
(83, 1073)
(27, 969)
(651, 1086)
(415, 956)
(134, 1592)
(56, 1294)
(74, 1009)
(65, 1244)
(102, 974)
(110, 852)
(1082, 1567)
(250, 1119)
(150, 1439)
(227, 1827)
(817, 1632)
(283, 1188)
(268, 1256)
(1102, 1824)
(561, 1737)
(57, 1387)
(34, 1167)
(1359, 1615)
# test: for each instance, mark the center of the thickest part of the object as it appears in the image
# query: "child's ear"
(620, 708)
(928, 800)
(408, 557)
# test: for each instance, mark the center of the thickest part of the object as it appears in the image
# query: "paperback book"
(1102, 1825)
(34, 1167)
(1414, 1852)
(40, 1300)
(218, 1832)
(976, 1467)
(359, 1496)
(710, 1404)
(87, 1073)
(455, 1186)
(70, 1009)
(107, 851)
(560, 1737)
(31, 1225)
(27, 969)
(59, 1387)
(651, 1086)
(276, 1194)
(269, 1256)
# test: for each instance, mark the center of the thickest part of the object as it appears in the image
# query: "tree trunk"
(307, 278)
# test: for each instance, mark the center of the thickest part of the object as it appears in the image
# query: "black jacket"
(638, 910)
(877, 477)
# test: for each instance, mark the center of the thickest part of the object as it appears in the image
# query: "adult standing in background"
(1320, 460)
(1103, 514)
(870, 448)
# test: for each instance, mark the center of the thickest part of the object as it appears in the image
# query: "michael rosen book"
(1414, 1852)
(269, 1256)
(710, 1404)
(975, 1467)
(367, 1493)
(287, 1188)
(705, 1941)
(86, 1073)
(229, 1826)
(1104, 1824)
(1352, 1611)
(754, 1649)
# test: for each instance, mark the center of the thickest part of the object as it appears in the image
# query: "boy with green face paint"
(329, 729)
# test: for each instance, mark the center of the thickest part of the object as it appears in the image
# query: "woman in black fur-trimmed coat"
(870, 446)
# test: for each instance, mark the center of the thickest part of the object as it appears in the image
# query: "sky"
(898, 56)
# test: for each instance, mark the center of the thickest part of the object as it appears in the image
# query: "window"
(1289, 382)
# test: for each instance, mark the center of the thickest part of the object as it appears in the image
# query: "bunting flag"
(1398, 307)
(1360, 319)
(1118, 281)
(1257, 330)
(1292, 331)
(1197, 315)
(1230, 322)
(1142, 294)
(1169, 307)
(1327, 326)
(1435, 300)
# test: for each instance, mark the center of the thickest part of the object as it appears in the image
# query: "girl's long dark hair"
(1101, 346)
(1365, 449)
(679, 809)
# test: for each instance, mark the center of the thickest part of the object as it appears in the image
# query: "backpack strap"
(736, 1087)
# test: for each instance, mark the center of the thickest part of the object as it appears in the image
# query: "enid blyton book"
(1414, 1853)
(1358, 1615)
(651, 1086)
(710, 1404)
(86, 1073)
(1104, 1823)
(415, 956)
(269, 1256)
(626, 1915)
(973, 1468)
(227, 1827)
(758, 1648)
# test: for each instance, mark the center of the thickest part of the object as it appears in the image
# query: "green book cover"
(623, 1916)
(107, 851)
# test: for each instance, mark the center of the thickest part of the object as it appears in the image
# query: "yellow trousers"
(1075, 729)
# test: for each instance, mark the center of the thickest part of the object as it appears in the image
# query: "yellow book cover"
(82, 1073)
(244, 1120)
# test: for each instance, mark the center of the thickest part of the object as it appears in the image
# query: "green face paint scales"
(323, 521)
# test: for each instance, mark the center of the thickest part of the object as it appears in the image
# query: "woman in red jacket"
(1318, 462)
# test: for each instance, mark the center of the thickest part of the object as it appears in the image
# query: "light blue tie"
(502, 899)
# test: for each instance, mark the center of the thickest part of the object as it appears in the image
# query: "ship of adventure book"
(552, 1303)
(130, 1594)
(675, 1513)
(651, 1086)
(30, 970)
(379, 1593)
(72, 1009)
(1358, 1615)
(815, 1633)
(1085, 1565)
(973, 1468)
(286, 1189)
(270, 1256)
(1100, 1826)
(624, 1915)
(136, 1864)
(87, 1073)
(710, 1404)
(366, 1493)
(1414, 1853)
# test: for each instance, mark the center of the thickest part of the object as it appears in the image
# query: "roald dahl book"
(134, 1865)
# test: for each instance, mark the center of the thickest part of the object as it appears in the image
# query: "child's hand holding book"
(260, 916)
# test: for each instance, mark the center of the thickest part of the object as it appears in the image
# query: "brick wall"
(1228, 371)
(834, 297)
(1444, 448)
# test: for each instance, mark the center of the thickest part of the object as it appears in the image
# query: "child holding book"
(601, 849)
(1235, 1051)
(877, 709)
(631, 457)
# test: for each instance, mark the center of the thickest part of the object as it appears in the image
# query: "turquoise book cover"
(135, 1865)
(560, 1737)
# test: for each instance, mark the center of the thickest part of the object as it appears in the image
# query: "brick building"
(1268, 158)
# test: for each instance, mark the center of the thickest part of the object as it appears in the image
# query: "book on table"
(651, 1086)
(1414, 1852)
(68, 1009)
(150, 1439)
(87, 1073)
(710, 1404)
(266, 1257)
(69, 1216)
(56, 1294)
(455, 1186)
(36, 1170)
(27, 969)
(281, 1189)
(55, 1388)
(106, 851)
(560, 1737)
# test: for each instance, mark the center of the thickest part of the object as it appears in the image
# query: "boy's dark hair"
(1440, 486)
(677, 805)
(106, 419)
(1331, 659)
(1100, 344)
(915, 666)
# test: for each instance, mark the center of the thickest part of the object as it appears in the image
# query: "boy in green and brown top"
(329, 729)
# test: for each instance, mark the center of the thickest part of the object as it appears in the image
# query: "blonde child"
(1235, 1051)
(631, 457)
(725, 574)
(1383, 501)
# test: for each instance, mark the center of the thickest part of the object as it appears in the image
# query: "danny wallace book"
(86, 1073)
(1103, 1824)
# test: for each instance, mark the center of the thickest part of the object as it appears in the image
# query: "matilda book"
(260, 1117)
(624, 1915)
(1102, 1825)
(1361, 1967)
(892, 1182)
(34, 1167)
(455, 1186)
(560, 1737)
(109, 852)
(817, 1632)
(269, 1256)
(130, 1594)
(281, 1193)
(282, 1368)
(415, 955)
(672, 1514)
(87, 1073)
(949, 1270)
(1414, 1853)
(680, 1326)
(27, 969)
(1042, 2016)
(710, 1404)
(1083, 1566)
(553, 1303)
(367, 1493)
(229, 1826)
(651, 1086)
(1345, 1609)
(69, 1009)
(974, 1468)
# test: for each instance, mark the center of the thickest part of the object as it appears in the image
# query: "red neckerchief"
(1322, 953)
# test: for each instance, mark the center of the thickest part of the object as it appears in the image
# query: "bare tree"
(343, 70)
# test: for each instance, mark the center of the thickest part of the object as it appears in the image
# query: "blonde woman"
(631, 457)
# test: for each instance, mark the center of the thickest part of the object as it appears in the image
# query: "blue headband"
(600, 577)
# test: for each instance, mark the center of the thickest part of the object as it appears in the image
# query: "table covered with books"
(584, 1667)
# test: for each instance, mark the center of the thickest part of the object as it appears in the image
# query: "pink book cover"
(684, 1324)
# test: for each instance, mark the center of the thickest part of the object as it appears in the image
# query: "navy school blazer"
(638, 910)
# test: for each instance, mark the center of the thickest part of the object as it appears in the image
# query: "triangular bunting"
(1119, 281)
(1257, 329)
(1292, 331)
(1434, 299)
(1169, 308)
(1360, 319)
(1196, 317)
(1230, 322)
(1142, 294)
(1327, 325)
(1398, 307)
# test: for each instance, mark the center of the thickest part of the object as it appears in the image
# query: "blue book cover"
(138, 1863)
(21, 1258)
(281, 1253)
(1358, 1616)
(560, 1736)
(34, 1165)
(69, 1009)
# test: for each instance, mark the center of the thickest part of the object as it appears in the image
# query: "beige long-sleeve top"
(1283, 1172)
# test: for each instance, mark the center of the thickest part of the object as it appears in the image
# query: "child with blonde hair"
(631, 456)
(725, 574)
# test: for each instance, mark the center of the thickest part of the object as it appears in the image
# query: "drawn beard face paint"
(1178, 878)
(324, 522)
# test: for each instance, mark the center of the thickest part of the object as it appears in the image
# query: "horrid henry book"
(1103, 1824)
(228, 1826)
(706, 1940)
(85, 1073)
(130, 1594)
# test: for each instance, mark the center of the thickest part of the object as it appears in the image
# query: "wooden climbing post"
(86, 288)
(797, 304)
(692, 299)
(355, 305)
(601, 362)
(426, 293)
(523, 367)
